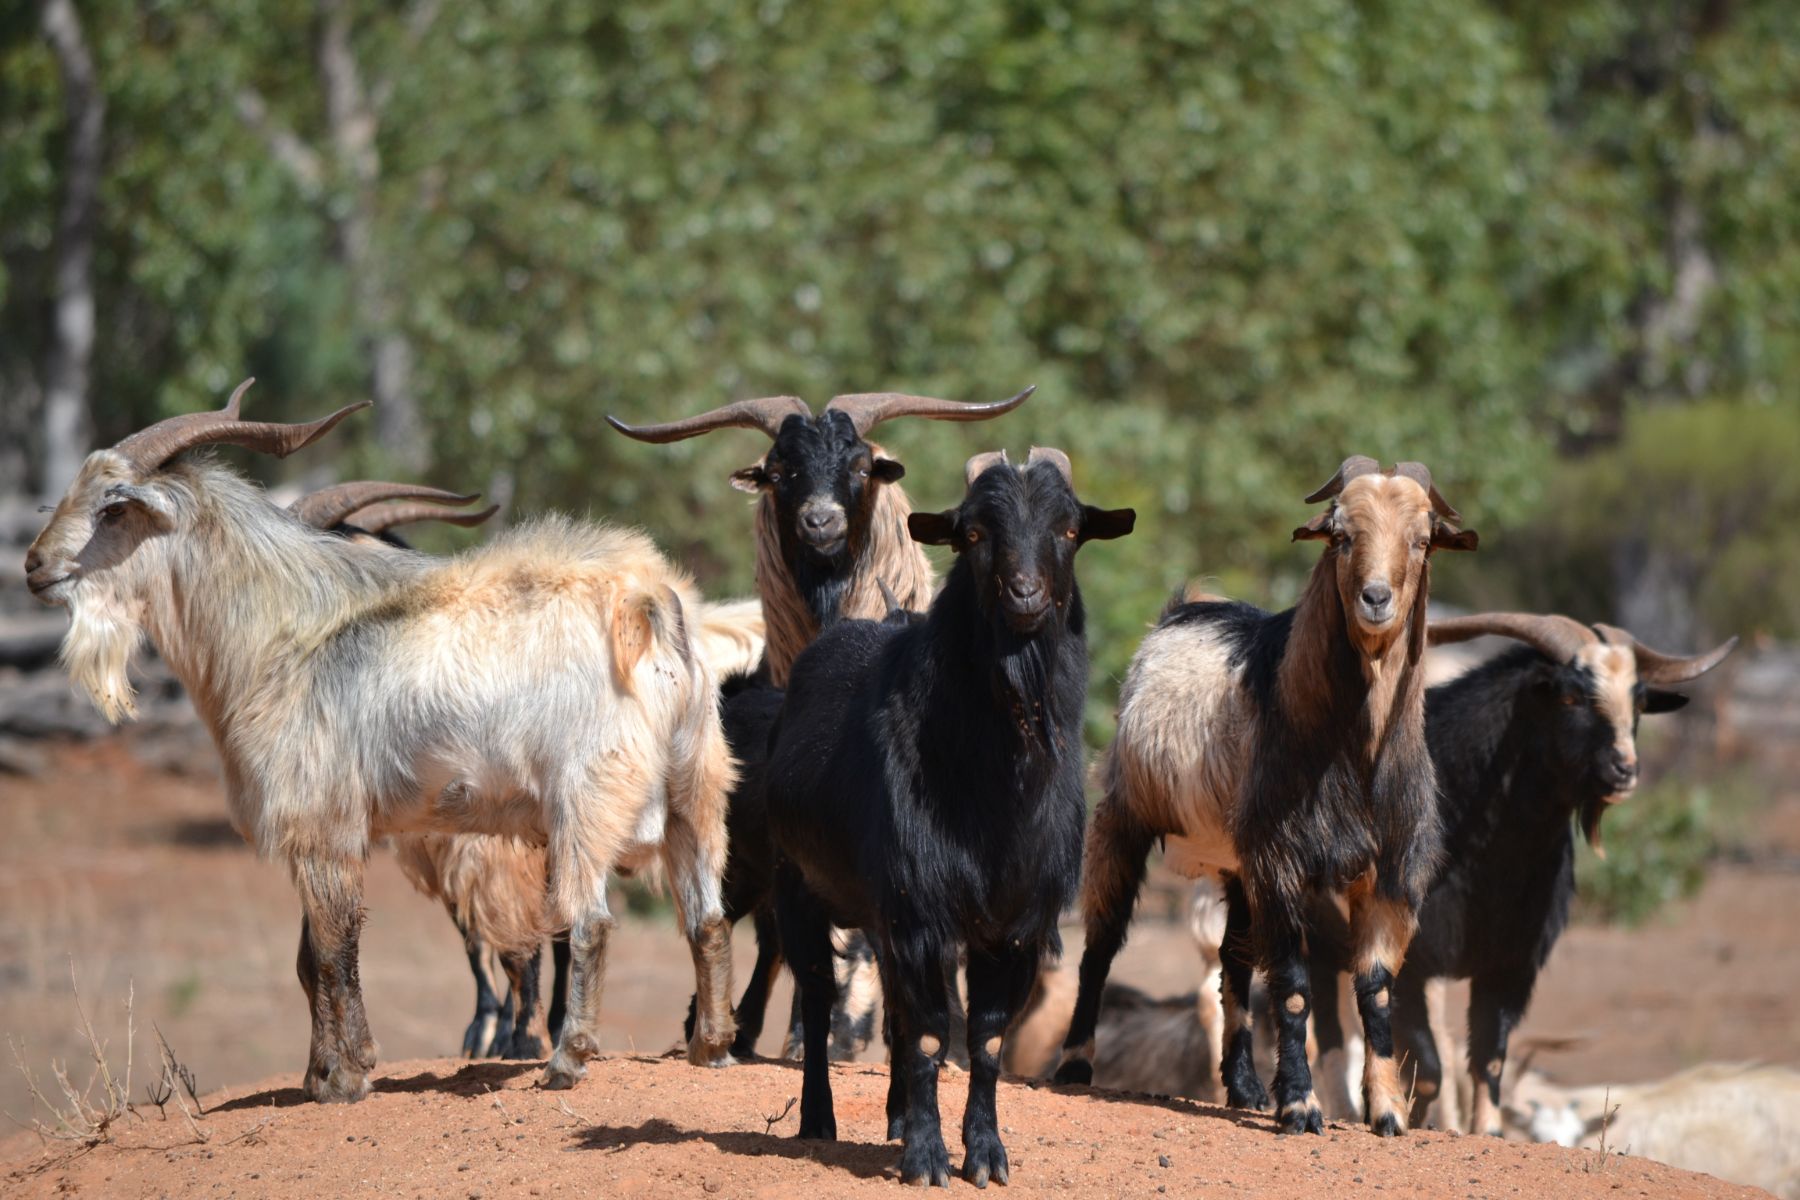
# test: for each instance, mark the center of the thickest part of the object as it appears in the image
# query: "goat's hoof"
(1247, 1091)
(1074, 1070)
(743, 1048)
(700, 1054)
(818, 1129)
(1386, 1125)
(1302, 1116)
(925, 1163)
(984, 1158)
(560, 1074)
(339, 1085)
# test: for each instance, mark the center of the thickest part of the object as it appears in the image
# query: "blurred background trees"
(1547, 248)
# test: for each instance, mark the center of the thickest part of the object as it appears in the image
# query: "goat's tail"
(731, 636)
(1118, 843)
(1194, 591)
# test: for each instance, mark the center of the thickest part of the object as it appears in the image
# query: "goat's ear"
(934, 529)
(886, 470)
(1104, 524)
(750, 479)
(1445, 538)
(1658, 701)
(1316, 530)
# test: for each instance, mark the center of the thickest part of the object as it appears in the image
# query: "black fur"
(1519, 751)
(925, 786)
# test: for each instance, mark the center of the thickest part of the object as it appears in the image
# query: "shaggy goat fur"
(547, 686)
(1285, 752)
(925, 786)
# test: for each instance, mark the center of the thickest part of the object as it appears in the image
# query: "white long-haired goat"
(549, 685)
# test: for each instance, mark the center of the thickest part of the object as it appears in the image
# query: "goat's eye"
(862, 473)
(973, 536)
(1071, 533)
(774, 476)
(113, 511)
(1422, 543)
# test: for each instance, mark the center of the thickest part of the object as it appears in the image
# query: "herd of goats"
(863, 757)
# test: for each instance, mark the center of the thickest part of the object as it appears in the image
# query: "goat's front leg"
(1421, 1071)
(578, 1040)
(912, 981)
(1290, 996)
(806, 940)
(1495, 1005)
(342, 1052)
(999, 985)
(1381, 928)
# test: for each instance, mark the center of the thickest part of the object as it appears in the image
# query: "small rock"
(1162, 1160)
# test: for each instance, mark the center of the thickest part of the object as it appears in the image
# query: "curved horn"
(329, 506)
(1421, 475)
(380, 519)
(765, 413)
(973, 469)
(148, 449)
(1350, 468)
(1055, 458)
(866, 410)
(1556, 637)
(1655, 667)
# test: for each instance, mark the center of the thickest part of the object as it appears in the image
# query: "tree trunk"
(68, 427)
(352, 120)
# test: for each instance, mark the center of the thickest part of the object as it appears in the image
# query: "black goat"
(831, 544)
(925, 786)
(1286, 752)
(1542, 733)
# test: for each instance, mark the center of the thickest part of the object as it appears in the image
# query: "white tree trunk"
(68, 427)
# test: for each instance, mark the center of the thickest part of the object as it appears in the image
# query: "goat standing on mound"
(549, 686)
(830, 540)
(925, 786)
(1542, 733)
(1286, 752)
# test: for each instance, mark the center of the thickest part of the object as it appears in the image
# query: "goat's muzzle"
(1619, 774)
(41, 575)
(1025, 602)
(823, 527)
(1375, 604)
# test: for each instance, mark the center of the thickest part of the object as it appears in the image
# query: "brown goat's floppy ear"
(1445, 538)
(886, 470)
(1104, 524)
(1316, 530)
(933, 529)
(750, 479)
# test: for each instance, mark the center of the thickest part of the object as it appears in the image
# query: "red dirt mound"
(657, 1127)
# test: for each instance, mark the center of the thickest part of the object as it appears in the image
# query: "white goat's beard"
(97, 653)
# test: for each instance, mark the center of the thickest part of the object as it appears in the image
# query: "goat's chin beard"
(97, 653)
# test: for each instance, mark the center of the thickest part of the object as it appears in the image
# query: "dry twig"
(769, 1123)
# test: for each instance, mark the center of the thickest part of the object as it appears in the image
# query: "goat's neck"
(985, 674)
(242, 593)
(1328, 677)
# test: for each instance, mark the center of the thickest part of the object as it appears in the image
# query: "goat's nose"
(1624, 768)
(34, 558)
(1377, 595)
(816, 519)
(1023, 588)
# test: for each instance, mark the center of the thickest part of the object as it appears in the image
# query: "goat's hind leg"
(523, 972)
(1237, 1069)
(342, 1052)
(1381, 928)
(696, 866)
(480, 1038)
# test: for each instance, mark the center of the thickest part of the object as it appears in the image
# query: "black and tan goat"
(1286, 752)
(925, 786)
(1540, 734)
(549, 686)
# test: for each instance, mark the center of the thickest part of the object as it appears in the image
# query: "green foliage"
(1231, 242)
(1658, 845)
(1704, 492)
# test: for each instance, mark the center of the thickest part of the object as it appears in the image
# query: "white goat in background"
(549, 685)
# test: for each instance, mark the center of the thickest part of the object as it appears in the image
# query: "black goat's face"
(1598, 699)
(1017, 530)
(822, 477)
